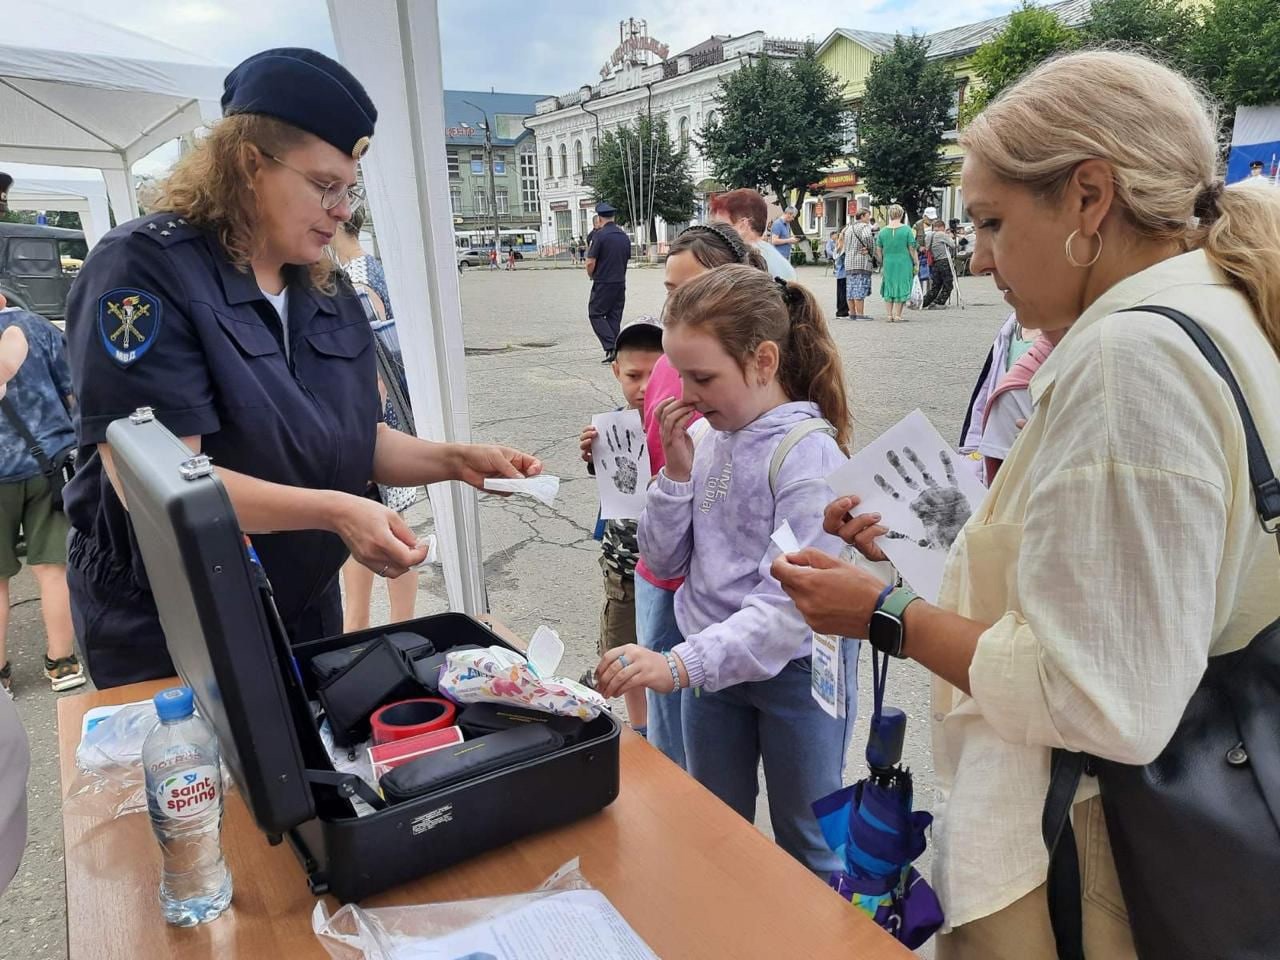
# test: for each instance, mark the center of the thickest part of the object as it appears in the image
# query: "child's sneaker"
(6, 679)
(65, 673)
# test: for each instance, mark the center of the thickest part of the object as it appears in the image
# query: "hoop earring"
(1072, 260)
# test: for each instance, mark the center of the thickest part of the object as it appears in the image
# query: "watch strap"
(899, 598)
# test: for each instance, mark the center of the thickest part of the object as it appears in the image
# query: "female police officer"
(222, 314)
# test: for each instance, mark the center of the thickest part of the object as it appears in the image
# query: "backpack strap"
(794, 436)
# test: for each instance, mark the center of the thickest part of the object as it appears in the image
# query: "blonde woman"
(1119, 547)
(899, 262)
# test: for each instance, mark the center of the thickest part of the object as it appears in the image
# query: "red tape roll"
(408, 718)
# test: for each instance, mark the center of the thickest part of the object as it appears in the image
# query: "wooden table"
(702, 883)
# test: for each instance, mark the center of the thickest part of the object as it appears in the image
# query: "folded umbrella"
(872, 827)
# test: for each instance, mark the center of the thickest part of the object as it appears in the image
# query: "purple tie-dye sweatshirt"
(738, 623)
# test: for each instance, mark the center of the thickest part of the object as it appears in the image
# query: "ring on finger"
(385, 568)
(622, 659)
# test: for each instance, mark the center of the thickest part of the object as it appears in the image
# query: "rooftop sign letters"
(634, 43)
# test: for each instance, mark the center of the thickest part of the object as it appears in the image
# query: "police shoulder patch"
(128, 323)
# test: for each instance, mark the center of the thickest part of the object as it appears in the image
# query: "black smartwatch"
(886, 632)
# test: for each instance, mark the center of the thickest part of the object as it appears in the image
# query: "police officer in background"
(225, 316)
(607, 267)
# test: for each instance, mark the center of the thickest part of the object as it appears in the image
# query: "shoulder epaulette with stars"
(166, 228)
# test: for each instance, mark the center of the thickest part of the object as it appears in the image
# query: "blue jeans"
(727, 733)
(656, 629)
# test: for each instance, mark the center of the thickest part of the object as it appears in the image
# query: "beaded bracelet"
(675, 671)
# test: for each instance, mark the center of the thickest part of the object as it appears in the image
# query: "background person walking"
(607, 267)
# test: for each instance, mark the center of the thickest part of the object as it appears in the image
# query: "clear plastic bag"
(109, 780)
(413, 933)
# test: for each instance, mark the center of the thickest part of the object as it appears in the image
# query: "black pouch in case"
(326, 666)
(379, 675)
(479, 719)
(465, 761)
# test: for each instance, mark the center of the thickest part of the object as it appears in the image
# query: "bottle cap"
(174, 703)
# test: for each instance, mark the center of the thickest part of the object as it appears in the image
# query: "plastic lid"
(174, 703)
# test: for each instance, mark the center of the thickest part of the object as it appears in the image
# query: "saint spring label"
(189, 793)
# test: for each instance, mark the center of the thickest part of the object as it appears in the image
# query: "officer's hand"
(477, 461)
(378, 537)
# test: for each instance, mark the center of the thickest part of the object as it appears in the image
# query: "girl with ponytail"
(1119, 548)
(758, 362)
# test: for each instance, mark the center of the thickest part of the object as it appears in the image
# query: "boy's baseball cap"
(640, 328)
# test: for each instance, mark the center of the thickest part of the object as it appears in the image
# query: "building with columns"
(640, 77)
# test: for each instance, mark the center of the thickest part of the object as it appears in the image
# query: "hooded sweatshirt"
(714, 530)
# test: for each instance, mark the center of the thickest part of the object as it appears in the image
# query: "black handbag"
(1195, 833)
(58, 469)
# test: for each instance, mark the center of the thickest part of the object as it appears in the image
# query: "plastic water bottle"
(184, 796)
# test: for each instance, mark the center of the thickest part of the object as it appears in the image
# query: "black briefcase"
(256, 689)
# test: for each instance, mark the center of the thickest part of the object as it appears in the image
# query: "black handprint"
(624, 475)
(942, 510)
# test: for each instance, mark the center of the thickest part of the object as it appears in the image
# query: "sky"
(518, 46)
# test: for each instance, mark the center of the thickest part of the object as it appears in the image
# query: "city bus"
(524, 241)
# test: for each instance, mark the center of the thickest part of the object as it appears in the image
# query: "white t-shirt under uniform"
(280, 301)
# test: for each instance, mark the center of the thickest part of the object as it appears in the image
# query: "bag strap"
(33, 446)
(794, 436)
(1066, 768)
(1266, 488)
(1063, 883)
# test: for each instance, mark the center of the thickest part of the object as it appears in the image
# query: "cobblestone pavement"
(534, 381)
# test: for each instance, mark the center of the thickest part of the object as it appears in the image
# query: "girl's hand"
(860, 531)
(631, 667)
(586, 440)
(377, 536)
(834, 597)
(677, 446)
(477, 462)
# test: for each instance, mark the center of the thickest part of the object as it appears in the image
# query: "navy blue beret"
(307, 90)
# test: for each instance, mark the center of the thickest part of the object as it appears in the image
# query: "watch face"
(885, 632)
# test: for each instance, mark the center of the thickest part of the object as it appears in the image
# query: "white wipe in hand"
(542, 488)
(784, 538)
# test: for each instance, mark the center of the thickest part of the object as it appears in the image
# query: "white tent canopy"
(78, 92)
(393, 47)
(53, 188)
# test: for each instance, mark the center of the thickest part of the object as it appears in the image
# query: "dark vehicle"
(475, 257)
(33, 274)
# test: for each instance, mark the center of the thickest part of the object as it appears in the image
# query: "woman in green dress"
(897, 243)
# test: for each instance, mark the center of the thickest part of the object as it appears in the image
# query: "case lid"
(214, 617)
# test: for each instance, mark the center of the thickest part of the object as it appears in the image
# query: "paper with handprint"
(622, 464)
(908, 475)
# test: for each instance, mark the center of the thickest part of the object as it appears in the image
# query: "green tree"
(1031, 36)
(1236, 52)
(901, 124)
(643, 174)
(1163, 28)
(779, 126)
(53, 218)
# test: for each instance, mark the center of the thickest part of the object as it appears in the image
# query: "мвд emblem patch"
(129, 322)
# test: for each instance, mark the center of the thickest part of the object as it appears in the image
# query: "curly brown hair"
(207, 188)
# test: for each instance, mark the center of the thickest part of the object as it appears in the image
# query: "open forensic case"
(259, 692)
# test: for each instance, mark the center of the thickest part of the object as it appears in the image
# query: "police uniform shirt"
(611, 250)
(160, 317)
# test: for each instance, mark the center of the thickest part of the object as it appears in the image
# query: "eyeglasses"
(331, 194)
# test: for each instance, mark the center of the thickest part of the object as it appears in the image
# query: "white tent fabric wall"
(45, 188)
(78, 92)
(393, 46)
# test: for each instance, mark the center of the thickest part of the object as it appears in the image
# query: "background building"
(514, 161)
(848, 54)
(638, 78)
